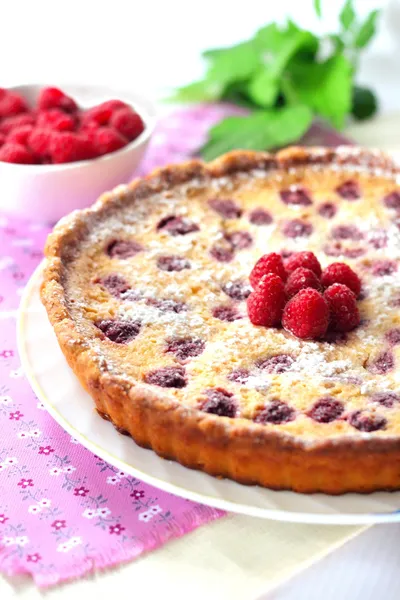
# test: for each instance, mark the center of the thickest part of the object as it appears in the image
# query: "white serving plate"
(57, 387)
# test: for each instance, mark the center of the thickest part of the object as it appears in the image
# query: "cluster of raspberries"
(57, 131)
(301, 297)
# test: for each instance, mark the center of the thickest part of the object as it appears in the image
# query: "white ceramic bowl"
(48, 192)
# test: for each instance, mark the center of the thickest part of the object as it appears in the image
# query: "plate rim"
(339, 518)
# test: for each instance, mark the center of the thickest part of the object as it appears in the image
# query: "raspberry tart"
(149, 290)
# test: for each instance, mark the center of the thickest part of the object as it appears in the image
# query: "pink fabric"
(63, 511)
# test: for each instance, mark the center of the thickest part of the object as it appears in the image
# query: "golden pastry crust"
(304, 456)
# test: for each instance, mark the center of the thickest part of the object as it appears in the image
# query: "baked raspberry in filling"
(158, 287)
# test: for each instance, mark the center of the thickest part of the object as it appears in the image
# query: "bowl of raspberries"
(60, 149)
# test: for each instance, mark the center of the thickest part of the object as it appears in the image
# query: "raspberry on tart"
(297, 389)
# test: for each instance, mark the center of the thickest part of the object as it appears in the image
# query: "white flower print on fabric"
(69, 544)
(34, 509)
(8, 541)
(55, 471)
(40, 406)
(11, 460)
(155, 510)
(35, 433)
(21, 435)
(90, 513)
(112, 480)
(104, 512)
(22, 242)
(22, 540)
(75, 541)
(69, 469)
(5, 262)
(17, 373)
(45, 503)
(145, 516)
(6, 400)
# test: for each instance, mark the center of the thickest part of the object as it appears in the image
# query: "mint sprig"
(287, 76)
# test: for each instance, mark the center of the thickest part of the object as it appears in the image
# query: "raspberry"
(259, 216)
(225, 312)
(114, 283)
(297, 228)
(237, 290)
(354, 252)
(380, 268)
(169, 377)
(220, 403)
(301, 279)
(343, 306)
(39, 141)
(7, 125)
(393, 336)
(326, 410)
(295, 195)
(222, 253)
(387, 399)
(341, 273)
(308, 260)
(349, 190)
(16, 153)
(265, 305)
(107, 140)
(382, 364)
(165, 305)
(346, 232)
(66, 147)
(185, 347)
(392, 200)
(52, 97)
(227, 209)
(123, 248)
(239, 240)
(127, 123)
(102, 113)
(12, 104)
(367, 422)
(120, 332)
(327, 210)
(177, 225)
(306, 315)
(269, 263)
(378, 238)
(55, 119)
(20, 135)
(276, 412)
(240, 376)
(280, 363)
(170, 263)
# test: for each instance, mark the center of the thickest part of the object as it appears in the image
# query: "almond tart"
(146, 292)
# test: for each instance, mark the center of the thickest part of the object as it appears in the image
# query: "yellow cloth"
(235, 558)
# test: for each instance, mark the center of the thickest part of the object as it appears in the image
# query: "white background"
(153, 46)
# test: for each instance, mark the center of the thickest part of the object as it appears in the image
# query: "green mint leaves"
(262, 130)
(287, 76)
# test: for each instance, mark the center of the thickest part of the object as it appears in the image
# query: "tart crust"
(237, 449)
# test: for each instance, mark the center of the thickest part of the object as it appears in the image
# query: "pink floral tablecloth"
(63, 511)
